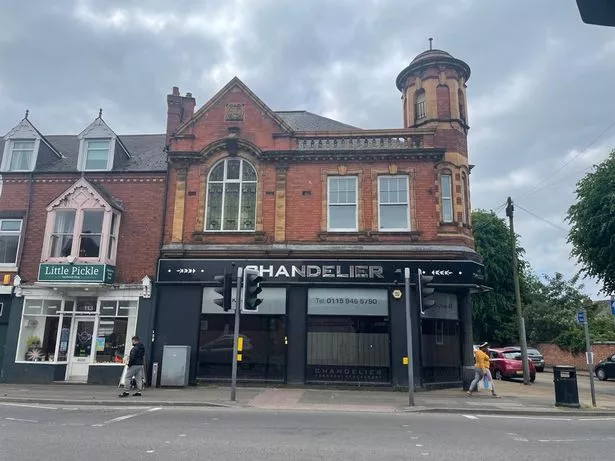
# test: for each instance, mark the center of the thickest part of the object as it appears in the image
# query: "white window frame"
(83, 153)
(465, 197)
(19, 242)
(356, 204)
(223, 182)
(448, 198)
(77, 231)
(75, 315)
(407, 204)
(9, 145)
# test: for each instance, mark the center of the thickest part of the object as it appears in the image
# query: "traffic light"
(398, 277)
(224, 288)
(426, 291)
(251, 290)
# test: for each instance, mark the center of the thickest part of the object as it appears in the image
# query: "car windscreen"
(513, 355)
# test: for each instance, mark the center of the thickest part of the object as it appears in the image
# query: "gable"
(234, 104)
(83, 194)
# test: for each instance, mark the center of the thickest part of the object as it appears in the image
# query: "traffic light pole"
(590, 358)
(236, 333)
(409, 338)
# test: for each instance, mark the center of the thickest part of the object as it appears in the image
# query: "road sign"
(581, 317)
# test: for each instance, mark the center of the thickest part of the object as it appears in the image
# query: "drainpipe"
(154, 321)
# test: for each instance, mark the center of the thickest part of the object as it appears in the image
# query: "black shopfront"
(321, 322)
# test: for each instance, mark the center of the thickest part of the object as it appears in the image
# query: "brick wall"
(556, 356)
(142, 196)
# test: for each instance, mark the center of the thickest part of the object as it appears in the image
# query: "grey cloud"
(332, 57)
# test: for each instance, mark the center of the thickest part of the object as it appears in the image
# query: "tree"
(552, 308)
(592, 220)
(494, 312)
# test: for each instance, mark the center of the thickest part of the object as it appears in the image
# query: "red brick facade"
(555, 356)
(293, 166)
(142, 195)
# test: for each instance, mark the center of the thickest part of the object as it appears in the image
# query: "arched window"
(462, 107)
(419, 106)
(231, 196)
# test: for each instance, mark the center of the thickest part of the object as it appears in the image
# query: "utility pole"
(590, 357)
(515, 263)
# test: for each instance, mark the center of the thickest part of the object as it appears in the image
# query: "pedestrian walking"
(136, 359)
(481, 369)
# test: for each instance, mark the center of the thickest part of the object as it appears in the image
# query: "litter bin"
(566, 390)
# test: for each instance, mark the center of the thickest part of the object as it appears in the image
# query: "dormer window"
(100, 148)
(97, 154)
(22, 155)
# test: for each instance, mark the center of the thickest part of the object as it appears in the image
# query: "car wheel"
(601, 374)
(497, 374)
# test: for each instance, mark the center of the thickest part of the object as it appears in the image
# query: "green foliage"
(552, 307)
(494, 313)
(601, 328)
(592, 220)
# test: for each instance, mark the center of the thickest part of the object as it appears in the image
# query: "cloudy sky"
(541, 94)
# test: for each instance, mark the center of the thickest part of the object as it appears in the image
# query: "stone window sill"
(203, 236)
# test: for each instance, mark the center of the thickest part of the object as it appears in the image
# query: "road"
(130, 433)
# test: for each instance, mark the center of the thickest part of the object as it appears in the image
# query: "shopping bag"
(487, 384)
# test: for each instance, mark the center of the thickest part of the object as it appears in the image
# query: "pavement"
(99, 433)
(514, 398)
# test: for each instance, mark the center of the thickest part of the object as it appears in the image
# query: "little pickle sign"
(88, 273)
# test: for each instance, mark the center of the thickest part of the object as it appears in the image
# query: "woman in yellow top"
(481, 368)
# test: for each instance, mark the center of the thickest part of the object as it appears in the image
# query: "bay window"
(342, 203)
(83, 233)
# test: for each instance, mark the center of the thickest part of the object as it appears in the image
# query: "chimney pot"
(175, 91)
(188, 95)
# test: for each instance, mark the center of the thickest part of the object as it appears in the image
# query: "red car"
(506, 363)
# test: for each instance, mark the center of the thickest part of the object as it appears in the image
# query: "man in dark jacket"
(135, 367)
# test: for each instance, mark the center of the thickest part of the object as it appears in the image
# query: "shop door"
(80, 353)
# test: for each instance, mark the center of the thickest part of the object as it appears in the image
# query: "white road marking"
(419, 445)
(21, 420)
(470, 416)
(43, 407)
(182, 435)
(125, 417)
(149, 451)
(544, 418)
(594, 439)
(596, 419)
(97, 425)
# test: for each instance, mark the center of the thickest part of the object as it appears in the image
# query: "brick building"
(327, 212)
(80, 233)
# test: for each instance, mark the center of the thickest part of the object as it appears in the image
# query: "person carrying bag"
(481, 370)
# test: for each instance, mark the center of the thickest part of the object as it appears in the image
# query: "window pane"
(111, 340)
(8, 248)
(393, 190)
(23, 145)
(232, 168)
(65, 221)
(38, 338)
(342, 190)
(51, 307)
(86, 305)
(97, 155)
(217, 174)
(447, 210)
(61, 245)
(20, 160)
(83, 338)
(92, 222)
(393, 216)
(89, 246)
(11, 226)
(108, 308)
(248, 206)
(214, 206)
(343, 217)
(231, 206)
(64, 338)
(127, 308)
(249, 174)
(445, 186)
(33, 306)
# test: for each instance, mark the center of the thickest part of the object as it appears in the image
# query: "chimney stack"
(179, 109)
